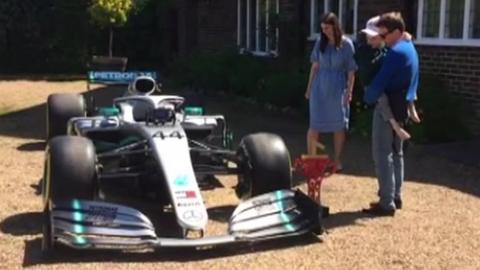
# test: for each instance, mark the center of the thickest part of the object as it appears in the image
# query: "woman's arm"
(350, 67)
(350, 84)
(313, 73)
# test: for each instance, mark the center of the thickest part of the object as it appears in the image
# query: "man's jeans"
(388, 157)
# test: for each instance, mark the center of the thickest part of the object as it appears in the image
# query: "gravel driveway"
(439, 227)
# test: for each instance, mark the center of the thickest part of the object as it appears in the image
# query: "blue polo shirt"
(400, 71)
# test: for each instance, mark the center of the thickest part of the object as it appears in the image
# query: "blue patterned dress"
(328, 110)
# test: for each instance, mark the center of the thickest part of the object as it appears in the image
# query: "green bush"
(443, 114)
(263, 79)
(58, 36)
(246, 76)
(283, 84)
(360, 114)
(284, 89)
(208, 72)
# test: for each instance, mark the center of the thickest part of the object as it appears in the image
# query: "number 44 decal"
(164, 135)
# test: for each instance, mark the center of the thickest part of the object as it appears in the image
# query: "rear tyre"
(60, 108)
(69, 174)
(265, 165)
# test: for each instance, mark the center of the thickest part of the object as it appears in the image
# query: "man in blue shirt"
(398, 79)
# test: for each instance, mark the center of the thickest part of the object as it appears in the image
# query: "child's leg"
(412, 112)
(387, 114)
(384, 108)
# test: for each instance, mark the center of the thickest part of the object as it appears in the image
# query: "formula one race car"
(155, 146)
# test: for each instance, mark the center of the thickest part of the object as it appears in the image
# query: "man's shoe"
(398, 203)
(376, 210)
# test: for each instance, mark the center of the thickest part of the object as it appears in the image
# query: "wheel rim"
(244, 187)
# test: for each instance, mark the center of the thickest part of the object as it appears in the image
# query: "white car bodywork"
(170, 147)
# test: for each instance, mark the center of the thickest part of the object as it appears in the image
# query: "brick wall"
(217, 24)
(293, 28)
(370, 8)
(216, 29)
(217, 19)
(460, 68)
(187, 21)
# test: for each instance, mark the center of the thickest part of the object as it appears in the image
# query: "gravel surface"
(439, 227)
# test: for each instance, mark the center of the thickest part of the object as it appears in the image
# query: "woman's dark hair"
(331, 19)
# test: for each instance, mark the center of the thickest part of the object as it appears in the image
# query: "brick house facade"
(446, 49)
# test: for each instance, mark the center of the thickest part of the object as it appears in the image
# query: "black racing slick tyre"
(264, 165)
(69, 174)
(60, 108)
(70, 168)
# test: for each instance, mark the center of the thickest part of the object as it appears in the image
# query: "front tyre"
(69, 174)
(265, 165)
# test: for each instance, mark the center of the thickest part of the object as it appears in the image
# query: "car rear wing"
(117, 77)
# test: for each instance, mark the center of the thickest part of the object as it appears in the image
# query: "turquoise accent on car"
(79, 229)
(283, 216)
(103, 146)
(108, 111)
(79, 240)
(194, 111)
(76, 204)
(181, 180)
(119, 77)
(77, 216)
(228, 140)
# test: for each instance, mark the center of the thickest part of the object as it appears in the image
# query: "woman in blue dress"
(330, 86)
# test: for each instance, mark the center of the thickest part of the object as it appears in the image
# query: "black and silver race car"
(155, 146)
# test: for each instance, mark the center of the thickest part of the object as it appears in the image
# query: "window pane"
(431, 18)
(474, 30)
(272, 25)
(243, 23)
(347, 16)
(319, 11)
(262, 25)
(454, 18)
(333, 6)
(253, 24)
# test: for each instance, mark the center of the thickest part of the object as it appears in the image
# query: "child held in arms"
(370, 59)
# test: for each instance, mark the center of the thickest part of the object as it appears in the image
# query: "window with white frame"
(346, 10)
(257, 22)
(449, 22)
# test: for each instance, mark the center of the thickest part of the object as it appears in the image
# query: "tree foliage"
(111, 13)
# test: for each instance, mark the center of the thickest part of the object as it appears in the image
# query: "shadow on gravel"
(33, 255)
(209, 182)
(29, 223)
(343, 219)
(423, 164)
(221, 213)
(30, 147)
(37, 187)
(30, 123)
(40, 78)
